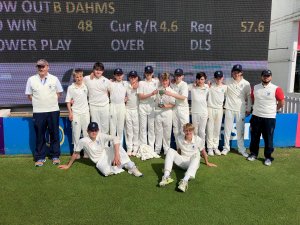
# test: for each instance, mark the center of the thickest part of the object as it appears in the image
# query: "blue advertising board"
(19, 135)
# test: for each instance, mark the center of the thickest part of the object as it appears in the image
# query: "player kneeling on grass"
(109, 160)
(188, 157)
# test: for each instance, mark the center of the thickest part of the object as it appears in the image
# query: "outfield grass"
(236, 192)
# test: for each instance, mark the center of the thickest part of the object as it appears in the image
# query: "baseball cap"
(41, 62)
(132, 73)
(148, 69)
(118, 71)
(237, 67)
(178, 72)
(93, 126)
(266, 73)
(218, 74)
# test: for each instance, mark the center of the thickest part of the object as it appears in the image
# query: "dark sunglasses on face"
(40, 66)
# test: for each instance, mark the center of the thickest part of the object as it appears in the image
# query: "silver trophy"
(161, 93)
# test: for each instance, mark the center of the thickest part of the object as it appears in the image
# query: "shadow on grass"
(159, 170)
(89, 162)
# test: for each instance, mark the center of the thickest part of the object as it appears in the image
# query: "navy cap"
(132, 73)
(118, 71)
(148, 69)
(42, 62)
(93, 126)
(178, 72)
(266, 73)
(237, 67)
(218, 74)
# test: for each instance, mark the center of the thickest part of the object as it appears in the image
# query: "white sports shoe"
(183, 186)
(165, 181)
(225, 152)
(217, 152)
(251, 158)
(135, 172)
(268, 162)
(210, 152)
(245, 154)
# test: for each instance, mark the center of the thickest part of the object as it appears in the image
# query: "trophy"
(161, 103)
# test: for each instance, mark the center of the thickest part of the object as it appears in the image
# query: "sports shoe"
(245, 154)
(40, 162)
(55, 161)
(225, 152)
(217, 152)
(268, 162)
(183, 186)
(165, 181)
(210, 152)
(135, 172)
(251, 157)
(134, 153)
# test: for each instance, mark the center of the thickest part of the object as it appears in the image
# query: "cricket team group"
(146, 110)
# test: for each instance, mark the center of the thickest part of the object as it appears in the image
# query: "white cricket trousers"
(213, 130)
(163, 130)
(132, 130)
(100, 115)
(147, 117)
(80, 123)
(104, 165)
(117, 119)
(239, 118)
(199, 121)
(191, 164)
(181, 116)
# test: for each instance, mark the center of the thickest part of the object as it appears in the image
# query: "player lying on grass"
(109, 160)
(187, 157)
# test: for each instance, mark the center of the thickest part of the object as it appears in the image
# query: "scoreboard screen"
(195, 35)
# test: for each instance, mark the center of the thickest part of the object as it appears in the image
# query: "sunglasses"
(40, 66)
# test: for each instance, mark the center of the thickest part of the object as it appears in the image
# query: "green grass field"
(236, 192)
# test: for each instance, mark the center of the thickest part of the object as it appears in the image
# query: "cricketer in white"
(109, 160)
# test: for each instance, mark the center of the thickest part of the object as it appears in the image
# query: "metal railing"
(292, 105)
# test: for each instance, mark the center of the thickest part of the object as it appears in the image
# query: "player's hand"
(209, 83)
(154, 92)
(168, 93)
(211, 164)
(63, 167)
(71, 116)
(92, 76)
(116, 161)
(125, 99)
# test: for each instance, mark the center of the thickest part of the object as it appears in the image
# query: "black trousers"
(42, 122)
(265, 127)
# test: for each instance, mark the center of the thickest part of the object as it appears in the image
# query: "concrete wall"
(283, 41)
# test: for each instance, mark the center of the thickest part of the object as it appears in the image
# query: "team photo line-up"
(147, 111)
